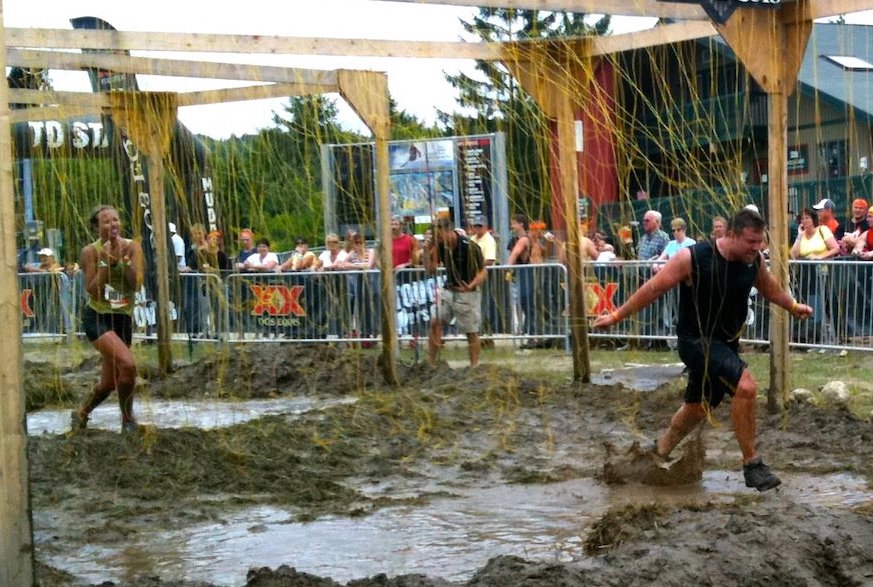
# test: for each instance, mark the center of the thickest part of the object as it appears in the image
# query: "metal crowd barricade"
(840, 292)
(46, 301)
(610, 284)
(305, 306)
(198, 308)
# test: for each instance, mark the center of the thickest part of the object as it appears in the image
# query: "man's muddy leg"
(743, 415)
(683, 422)
(473, 348)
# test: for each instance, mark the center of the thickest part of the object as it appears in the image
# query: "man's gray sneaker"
(759, 475)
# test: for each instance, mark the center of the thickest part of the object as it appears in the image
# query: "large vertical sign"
(475, 179)
(421, 179)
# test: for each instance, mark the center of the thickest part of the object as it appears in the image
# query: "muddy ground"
(441, 431)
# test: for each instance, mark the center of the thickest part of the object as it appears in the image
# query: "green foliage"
(500, 104)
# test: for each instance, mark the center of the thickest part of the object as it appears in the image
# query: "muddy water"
(203, 414)
(639, 377)
(450, 538)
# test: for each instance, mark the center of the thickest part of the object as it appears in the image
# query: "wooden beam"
(246, 44)
(659, 35)
(771, 45)
(53, 113)
(251, 93)
(169, 67)
(58, 98)
(828, 8)
(130, 41)
(148, 118)
(16, 532)
(556, 74)
(623, 7)
(367, 94)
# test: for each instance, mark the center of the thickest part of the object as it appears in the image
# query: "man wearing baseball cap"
(826, 216)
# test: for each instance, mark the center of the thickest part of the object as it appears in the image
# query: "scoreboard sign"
(720, 10)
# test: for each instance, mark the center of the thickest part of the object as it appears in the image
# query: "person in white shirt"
(332, 258)
(178, 246)
(263, 260)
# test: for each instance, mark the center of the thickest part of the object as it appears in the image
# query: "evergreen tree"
(498, 103)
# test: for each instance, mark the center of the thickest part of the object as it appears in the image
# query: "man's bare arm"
(677, 270)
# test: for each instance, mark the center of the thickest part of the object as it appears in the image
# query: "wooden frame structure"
(784, 28)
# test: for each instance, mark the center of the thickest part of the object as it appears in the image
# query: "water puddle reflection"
(639, 377)
(448, 538)
(204, 414)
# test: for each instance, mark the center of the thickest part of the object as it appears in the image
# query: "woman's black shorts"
(714, 369)
(97, 324)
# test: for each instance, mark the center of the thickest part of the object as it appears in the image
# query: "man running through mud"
(714, 279)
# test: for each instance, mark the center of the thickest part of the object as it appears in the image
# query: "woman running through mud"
(113, 269)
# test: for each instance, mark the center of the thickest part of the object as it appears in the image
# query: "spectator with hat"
(491, 290)
(47, 262)
(482, 237)
(825, 209)
(855, 226)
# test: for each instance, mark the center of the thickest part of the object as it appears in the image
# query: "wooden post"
(367, 93)
(148, 118)
(553, 74)
(16, 534)
(771, 45)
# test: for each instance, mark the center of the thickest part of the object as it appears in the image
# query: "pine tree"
(498, 103)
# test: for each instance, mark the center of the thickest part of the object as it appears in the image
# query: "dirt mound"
(268, 371)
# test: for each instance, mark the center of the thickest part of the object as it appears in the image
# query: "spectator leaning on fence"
(47, 262)
(332, 258)
(864, 246)
(246, 249)
(460, 298)
(263, 260)
(302, 259)
(482, 237)
(825, 209)
(680, 241)
(653, 240)
(404, 248)
(855, 226)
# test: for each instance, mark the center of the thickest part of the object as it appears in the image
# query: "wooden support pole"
(771, 45)
(148, 118)
(777, 124)
(367, 93)
(553, 75)
(16, 534)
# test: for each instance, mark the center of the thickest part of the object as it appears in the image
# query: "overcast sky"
(417, 85)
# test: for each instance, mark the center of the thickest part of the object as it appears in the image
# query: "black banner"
(475, 175)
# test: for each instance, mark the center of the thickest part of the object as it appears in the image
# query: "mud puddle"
(203, 414)
(449, 538)
(639, 377)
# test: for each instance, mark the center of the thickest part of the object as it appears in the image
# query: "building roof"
(838, 80)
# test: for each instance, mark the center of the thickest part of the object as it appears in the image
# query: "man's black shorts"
(97, 324)
(714, 369)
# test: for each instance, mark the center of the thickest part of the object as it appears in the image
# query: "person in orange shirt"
(825, 209)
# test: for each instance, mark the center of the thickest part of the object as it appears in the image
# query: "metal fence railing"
(521, 303)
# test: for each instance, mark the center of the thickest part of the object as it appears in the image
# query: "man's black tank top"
(715, 305)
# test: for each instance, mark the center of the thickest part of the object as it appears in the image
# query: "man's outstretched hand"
(605, 320)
